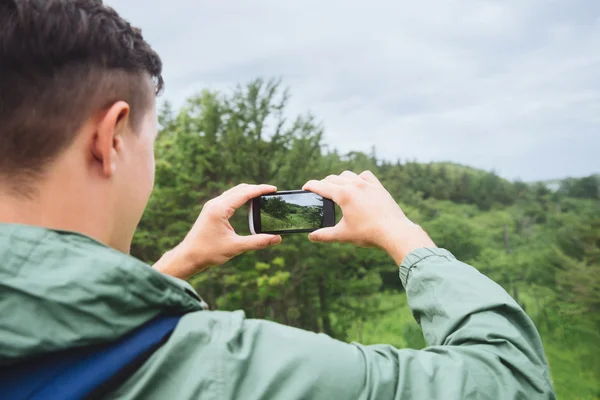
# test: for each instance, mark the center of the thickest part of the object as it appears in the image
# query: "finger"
(244, 186)
(337, 180)
(325, 189)
(371, 178)
(241, 194)
(326, 235)
(233, 189)
(349, 175)
(257, 242)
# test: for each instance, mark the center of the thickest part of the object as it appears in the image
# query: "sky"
(511, 86)
(305, 199)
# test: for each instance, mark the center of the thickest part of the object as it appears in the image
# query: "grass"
(571, 346)
(396, 327)
(294, 221)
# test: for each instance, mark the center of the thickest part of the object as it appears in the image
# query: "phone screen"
(293, 211)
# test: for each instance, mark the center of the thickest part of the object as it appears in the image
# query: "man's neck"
(61, 206)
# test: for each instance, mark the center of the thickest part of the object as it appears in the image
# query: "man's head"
(77, 118)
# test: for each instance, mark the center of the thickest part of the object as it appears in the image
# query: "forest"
(540, 241)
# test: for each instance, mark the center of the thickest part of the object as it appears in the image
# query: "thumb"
(326, 235)
(258, 242)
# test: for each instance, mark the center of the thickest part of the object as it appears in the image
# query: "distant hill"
(586, 187)
(556, 184)
(553, 185)
(455, 170)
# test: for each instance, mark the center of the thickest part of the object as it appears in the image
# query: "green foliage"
(453, 231)
(542, 245)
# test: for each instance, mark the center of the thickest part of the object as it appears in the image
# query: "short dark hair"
(61, 61)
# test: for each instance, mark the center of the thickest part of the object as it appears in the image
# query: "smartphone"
(293, 211)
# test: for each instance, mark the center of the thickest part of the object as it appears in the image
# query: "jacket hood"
(61, 289)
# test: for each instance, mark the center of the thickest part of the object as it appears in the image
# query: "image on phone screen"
(291, 212)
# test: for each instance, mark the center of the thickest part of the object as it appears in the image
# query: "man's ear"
(108, 138)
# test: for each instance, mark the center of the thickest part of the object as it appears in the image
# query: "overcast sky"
(507, 85)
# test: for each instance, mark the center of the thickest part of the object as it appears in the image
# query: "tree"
(218, 140)
(455, 234)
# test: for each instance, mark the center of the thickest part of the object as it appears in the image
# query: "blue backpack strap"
(87, 372)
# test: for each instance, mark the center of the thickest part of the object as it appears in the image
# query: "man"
(77, 126)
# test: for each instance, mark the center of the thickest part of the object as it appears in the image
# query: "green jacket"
(59, 290)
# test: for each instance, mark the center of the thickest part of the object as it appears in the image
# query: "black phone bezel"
(328, 214)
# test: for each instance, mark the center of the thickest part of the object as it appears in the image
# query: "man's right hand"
(212, 240)
(372, 218)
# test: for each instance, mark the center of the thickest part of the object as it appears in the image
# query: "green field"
(573, 357)
(293, 221)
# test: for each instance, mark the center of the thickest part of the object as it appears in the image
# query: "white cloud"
(512, 86)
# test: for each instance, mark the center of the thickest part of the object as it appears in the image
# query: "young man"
(77, 126)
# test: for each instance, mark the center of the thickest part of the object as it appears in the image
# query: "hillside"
(585, 187)
(456, 170)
